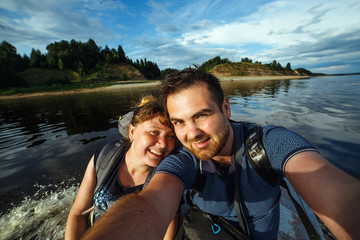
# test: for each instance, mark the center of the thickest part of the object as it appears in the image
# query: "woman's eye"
(154, 133)
(171, 136)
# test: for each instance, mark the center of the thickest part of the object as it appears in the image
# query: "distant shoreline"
(256, 78)
(132, 85)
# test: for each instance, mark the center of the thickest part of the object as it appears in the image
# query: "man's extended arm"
(331, 193)
(145, 215)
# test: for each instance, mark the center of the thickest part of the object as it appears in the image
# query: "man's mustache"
(199, 138)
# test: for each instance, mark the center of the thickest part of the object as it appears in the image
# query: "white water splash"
(39, 219)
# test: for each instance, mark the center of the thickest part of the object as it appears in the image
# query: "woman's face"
(152, 141)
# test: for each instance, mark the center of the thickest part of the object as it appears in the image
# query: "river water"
(46, 142)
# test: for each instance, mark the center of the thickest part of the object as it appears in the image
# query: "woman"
(150, 139)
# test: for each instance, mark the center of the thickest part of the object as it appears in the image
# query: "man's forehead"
(200, 87)
(189, 102)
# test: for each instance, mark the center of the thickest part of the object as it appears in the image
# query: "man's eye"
(201, 116)
(177, 122)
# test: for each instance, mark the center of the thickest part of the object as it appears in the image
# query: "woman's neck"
(133, 171)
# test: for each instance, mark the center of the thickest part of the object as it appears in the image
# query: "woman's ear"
(131, 132)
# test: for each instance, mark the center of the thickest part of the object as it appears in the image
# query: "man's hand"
(145, 215)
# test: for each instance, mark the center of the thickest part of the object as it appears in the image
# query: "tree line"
(275, 66)
(87, 57)
(82, 57)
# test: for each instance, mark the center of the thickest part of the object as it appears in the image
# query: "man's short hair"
(181, 80)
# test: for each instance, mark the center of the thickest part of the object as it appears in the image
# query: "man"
(200, 113)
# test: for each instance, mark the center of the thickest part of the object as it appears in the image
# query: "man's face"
(199, 124)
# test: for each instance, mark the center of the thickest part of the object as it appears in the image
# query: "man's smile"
(202, 143)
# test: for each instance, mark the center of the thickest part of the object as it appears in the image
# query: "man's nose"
(193, 131)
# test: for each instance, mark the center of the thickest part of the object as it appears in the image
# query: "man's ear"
(131, 132)
(226, 107)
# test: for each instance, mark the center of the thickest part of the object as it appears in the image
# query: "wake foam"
(42, 216)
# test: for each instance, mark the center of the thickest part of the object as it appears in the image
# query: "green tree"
(303, 71)
(90, 55)
(59, 50)
(37, 59)
(148, 68)
(25, 62)
(121, 54)
(61, 64)
(288, 67)
(209, 64)
(106, 55)
(80, 68)
(8, 56)
(167, 71)
(10, 64)
(246, 60)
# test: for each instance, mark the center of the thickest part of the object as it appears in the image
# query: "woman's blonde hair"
(148, 108)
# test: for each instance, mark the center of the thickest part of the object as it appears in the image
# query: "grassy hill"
(49, 77)
(251, 69)
(44, 80)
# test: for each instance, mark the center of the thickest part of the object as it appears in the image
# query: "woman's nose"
(162, 141)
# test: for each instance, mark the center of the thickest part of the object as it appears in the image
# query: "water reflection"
(47, 139)
(324, 110)
(46, 142)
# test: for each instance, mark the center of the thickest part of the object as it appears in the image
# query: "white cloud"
(100, 5)
(282, 23)
(288, 31)
(180, 33)
(333, 69)
(42, 22)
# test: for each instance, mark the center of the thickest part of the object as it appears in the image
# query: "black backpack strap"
(201, 180)
(256, 153)
(237, 199)
(106, 159)
(313, 235)
(104, 162)
(149, 176)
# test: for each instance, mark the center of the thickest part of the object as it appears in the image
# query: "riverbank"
(123, 85)
(262, 78)
(132, 84)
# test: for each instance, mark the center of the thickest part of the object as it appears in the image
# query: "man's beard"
(217, 144)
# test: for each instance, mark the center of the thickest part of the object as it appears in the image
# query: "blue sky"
(322, 36)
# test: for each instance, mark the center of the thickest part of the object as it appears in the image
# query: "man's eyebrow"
(202, 111)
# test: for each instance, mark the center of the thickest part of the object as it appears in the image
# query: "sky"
(321, 36)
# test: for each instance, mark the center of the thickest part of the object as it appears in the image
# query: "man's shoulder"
(250, 125)
(182, 151)
(181, 164)
(180, 154)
